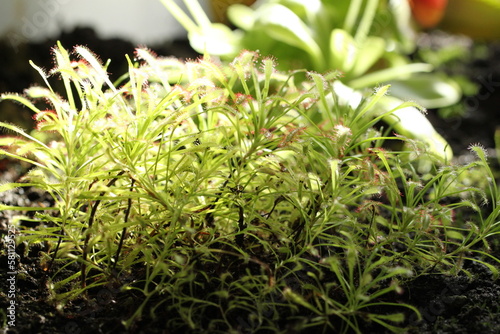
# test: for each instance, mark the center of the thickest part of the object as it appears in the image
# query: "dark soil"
(449, 304)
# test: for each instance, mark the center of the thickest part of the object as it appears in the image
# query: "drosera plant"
(235, 198)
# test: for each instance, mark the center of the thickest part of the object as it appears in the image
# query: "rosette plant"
(368, 42)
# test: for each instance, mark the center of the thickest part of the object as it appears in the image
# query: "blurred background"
(110, 28)
(141, 22)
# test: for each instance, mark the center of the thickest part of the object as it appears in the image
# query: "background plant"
(237, 197)
(369, 42)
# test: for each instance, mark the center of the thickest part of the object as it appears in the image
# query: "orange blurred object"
(219, 8)
(428, 13)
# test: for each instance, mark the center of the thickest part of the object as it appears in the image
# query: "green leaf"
(241, 16)
(96, 65)
(454, 235)
(343, 51)
(306, 10)
(20, 99)
(374, 100)
(284, 25)
(428, 90)
(385, 75)
(395, 317)
(21, 132)
(409, 121)
(42, 74)
(298, 299)
(24, 208)
(216, 39)
(368, 54)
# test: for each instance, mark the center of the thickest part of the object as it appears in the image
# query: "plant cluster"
(238, 198)
(369, 41)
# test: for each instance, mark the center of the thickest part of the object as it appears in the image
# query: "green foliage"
(237, 197)
(367, 41)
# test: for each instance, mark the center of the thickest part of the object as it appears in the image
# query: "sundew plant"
(232, 198)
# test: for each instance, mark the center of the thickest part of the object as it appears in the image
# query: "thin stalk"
(124, 231)
(198, 14)
(352, 15)
(180, 16)
(52, 260)
(366, 21)
(87, 237)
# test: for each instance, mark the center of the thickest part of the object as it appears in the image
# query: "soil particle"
(456, 304)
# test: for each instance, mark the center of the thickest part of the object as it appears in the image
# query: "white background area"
(139, 21)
